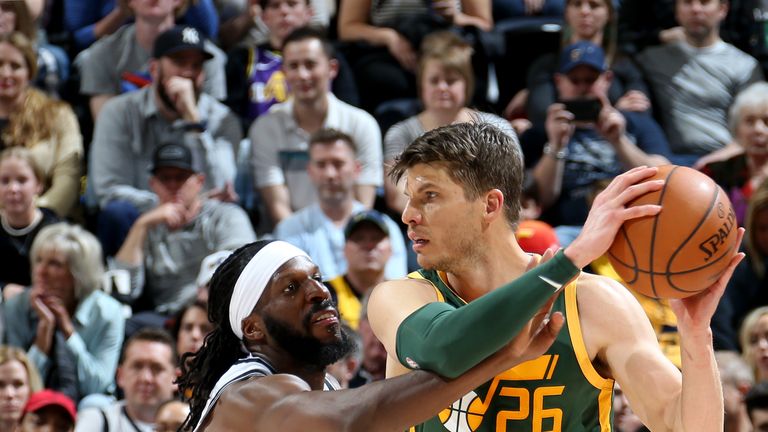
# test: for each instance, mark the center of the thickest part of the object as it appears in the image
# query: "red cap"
(535, 236)
(47, 397)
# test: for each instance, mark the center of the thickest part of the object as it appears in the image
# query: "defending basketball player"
(262, 368)
(463, 184)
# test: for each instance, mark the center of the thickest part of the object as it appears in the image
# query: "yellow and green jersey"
(559, 391)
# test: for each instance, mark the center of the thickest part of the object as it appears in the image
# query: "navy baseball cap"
(172, 155)
(366, 216)
(582, 54)
(178, 39)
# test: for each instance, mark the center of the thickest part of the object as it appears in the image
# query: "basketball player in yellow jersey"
(463, 184)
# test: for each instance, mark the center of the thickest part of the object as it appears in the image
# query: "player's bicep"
(391, 303)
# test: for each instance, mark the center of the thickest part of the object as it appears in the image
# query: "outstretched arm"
(664, 398)
(285, 402)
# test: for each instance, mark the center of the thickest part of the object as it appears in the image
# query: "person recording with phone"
(587, 139)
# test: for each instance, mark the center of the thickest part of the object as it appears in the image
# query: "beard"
(306, 348)
(163, 94)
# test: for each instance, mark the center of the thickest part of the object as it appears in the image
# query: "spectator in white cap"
(207, 268)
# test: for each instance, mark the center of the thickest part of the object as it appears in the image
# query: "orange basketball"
(683, 249)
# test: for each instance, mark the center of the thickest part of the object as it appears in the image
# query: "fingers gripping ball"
(683, 249)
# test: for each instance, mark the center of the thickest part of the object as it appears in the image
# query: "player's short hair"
(478, 156)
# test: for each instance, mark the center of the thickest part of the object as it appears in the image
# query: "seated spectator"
(374, 363)
(171, 415)
(167, 244)
(505, 9)
(120, 62)
(207, 268)
(171, 109)
(52, 61)
(446, 83)
(91, 20)
(189, 327)
(746, 167)
(578, 154)
(646, 23)
(346, 368)
(737, 380)
(279, 138)
(392, 32)
(318, 228)
(753, 336)
(71, 329)
(367, 249)
(255, 80)
(49, 411)
(29, 118)
(18, 380)
(746, 289)
(695, 80)
(757, 406)
(21, 182)
(591, 21)
(146, 374)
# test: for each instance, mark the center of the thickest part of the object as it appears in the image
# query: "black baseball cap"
(367, 216)
(172, 155)
(180, 38)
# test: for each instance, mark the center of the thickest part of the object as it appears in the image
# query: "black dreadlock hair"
(221, 349)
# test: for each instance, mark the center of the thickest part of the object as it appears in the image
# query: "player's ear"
(494, 204)
(254, 328)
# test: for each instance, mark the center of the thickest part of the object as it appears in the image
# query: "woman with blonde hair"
(18, 380)
(48, 128)
(21, 219)
(72, 330)
(445, 82)
(753, 336)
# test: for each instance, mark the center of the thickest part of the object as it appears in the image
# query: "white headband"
(253, 280)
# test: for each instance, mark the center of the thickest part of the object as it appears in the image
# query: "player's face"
(333, 170)
(14, 390)
(192, 330)
(301, 317)
(18, 186)
(367, 249)
(284, 16)
(147, 373)
(587, 18)
(444, 226)
(308, 70)
(752, 130)
(758, 347)
(14, 72)
(700, 18)
(441, 88)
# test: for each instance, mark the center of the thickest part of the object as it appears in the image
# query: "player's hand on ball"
(609, 211)
(696, 311)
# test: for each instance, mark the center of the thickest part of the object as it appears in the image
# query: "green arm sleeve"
(450, 340)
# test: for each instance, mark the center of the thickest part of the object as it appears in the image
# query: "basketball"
(683, 249)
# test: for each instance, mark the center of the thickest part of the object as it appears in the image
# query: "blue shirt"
(312, 231)
(96, 342)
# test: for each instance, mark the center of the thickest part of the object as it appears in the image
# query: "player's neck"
(503, 261)
(284, 363)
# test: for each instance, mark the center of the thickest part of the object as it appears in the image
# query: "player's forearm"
(700, 407)
(401, 402)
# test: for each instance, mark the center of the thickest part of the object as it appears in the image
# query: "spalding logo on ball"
(687, 246)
